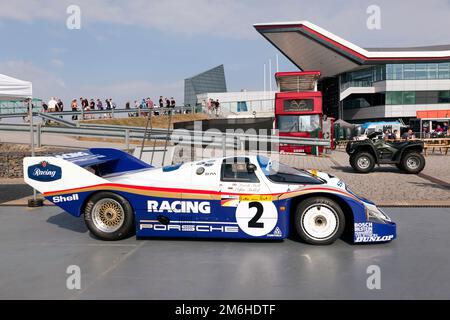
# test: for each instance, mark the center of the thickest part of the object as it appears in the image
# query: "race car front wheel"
(109, 216)
(319, 220)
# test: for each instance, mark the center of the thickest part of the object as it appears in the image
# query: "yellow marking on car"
(256, 197)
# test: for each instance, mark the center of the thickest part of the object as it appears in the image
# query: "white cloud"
(45, 83)
(402, 21)
(48, 84)
(57, 63)
(125, 91)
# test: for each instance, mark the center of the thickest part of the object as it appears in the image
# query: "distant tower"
(212, 80)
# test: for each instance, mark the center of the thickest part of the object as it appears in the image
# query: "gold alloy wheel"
(108, 215)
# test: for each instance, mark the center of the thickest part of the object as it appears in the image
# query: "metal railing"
(85, 115)
(177, 136)
(359, 84)
(246, 106)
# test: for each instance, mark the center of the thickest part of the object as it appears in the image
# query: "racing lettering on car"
(73, 197)
(179, 206)
(242, 197)
(44, 172)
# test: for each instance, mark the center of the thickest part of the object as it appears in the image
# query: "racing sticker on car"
(44, 172)
(256, 218)
(364, 233)
(179, 206)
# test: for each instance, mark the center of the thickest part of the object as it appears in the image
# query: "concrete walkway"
(38, 245)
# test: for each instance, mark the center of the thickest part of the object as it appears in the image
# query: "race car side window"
(237, 170)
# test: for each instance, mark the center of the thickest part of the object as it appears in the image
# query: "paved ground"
(386, 185)
(37, 246)
(10, 192)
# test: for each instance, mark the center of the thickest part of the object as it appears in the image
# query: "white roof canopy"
(14, 89)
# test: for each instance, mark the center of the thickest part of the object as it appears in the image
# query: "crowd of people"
(211, 106)
(90, 104)
(440, 130)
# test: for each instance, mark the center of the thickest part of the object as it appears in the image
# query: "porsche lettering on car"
(231, 197)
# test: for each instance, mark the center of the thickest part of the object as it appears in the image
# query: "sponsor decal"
(72, 155)
(179, 206)
(191, 227)
(276, 233)
(256, 197)
(229, 201)
(44, 172)
(364, 233)
(72, 197)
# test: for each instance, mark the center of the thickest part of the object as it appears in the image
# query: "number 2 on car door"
(253, 223)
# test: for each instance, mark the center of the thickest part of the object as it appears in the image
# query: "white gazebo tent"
(15, 89)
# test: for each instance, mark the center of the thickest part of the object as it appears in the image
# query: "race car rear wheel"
(413, 162)
(362, 162)
(109, 216)
(319, 220)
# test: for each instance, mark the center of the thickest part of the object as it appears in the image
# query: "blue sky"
(130, 49)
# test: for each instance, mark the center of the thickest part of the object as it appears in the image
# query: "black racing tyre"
(413, 162)
(362, 162)
(319, 220)
(109, 216)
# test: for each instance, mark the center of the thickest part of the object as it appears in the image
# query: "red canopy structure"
(433, 114)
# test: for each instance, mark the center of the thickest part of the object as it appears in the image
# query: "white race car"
(231, 197)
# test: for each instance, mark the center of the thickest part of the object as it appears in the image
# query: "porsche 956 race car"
(231, 197)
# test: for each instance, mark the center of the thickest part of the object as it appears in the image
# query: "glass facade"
(418, 71)
(417, 97)
(212, 80)
(400, 71)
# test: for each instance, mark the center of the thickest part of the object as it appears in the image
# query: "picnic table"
(443, 144)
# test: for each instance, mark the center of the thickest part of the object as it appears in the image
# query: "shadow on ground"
(349, 169)
(66, 221)
(9, 192)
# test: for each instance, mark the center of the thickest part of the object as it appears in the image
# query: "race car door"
(245, 198)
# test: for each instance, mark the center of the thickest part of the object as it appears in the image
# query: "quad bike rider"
(405, 155)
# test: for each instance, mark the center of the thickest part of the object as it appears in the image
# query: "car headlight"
(375, 214)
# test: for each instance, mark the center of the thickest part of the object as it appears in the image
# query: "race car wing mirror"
(251, 167)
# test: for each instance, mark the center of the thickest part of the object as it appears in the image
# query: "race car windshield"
(280, 173)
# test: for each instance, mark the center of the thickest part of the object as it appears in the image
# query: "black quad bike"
(405, 155)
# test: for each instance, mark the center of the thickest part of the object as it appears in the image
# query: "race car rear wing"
(105, 160)
(77, 169)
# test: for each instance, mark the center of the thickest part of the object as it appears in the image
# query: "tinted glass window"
(280, 173)
(305, 123)
(235, 169)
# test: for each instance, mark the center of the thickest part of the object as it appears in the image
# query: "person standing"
(74, 107)
(127, 106)
(210, 106)
(52, 105)
(161, 102)
(216, 107)
(172, 103)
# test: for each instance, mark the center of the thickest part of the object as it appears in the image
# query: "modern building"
(241, 103)
(365, 84)
(212, 80)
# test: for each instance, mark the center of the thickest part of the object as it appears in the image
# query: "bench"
(441, 144)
